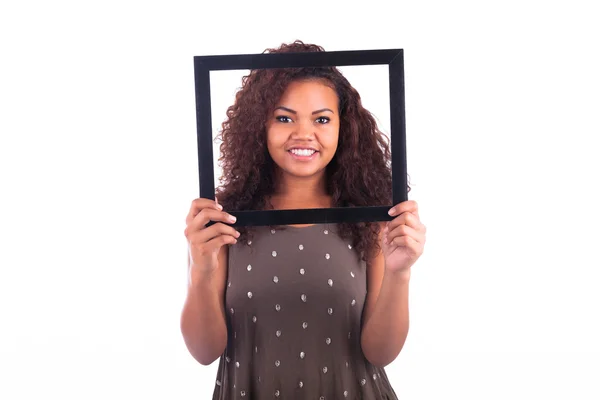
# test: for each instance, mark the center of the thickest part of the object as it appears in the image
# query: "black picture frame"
(394, 58)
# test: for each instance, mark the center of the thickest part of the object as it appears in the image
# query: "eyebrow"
(294, 112)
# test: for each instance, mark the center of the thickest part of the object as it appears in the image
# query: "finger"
(213, 231)
(198, 205)
(203, 249)
(405, 230)
(215, 244)
(406, 218)
(406, 241)
(405, 206)
(206, 215)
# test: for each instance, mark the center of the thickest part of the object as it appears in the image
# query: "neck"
(293, 192)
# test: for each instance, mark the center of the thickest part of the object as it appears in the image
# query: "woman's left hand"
(403, 237)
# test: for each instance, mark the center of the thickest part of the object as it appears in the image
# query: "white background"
(98, 168)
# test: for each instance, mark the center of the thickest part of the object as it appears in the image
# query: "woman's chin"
(303, 173)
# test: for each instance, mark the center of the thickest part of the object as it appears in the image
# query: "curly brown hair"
(358, 175)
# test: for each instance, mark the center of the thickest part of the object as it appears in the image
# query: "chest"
(290, 271)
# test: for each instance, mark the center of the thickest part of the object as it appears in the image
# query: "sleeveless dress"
(294, 301)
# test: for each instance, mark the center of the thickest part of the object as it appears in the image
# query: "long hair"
(358, 175)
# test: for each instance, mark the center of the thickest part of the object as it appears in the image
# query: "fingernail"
(391, 212)
(237, 234)
(232, 218)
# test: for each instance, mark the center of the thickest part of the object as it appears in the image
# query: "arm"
(385, 326)
(386, 314)
(203, 323)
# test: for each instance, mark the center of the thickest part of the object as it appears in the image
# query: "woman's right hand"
(206, 242)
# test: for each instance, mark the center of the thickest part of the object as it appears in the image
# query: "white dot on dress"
(227, 359)
(249, 242)
(350, 246)
(232, 311)
(277, 393)
(328, 341)
(274, 254)
(352, 274)
(301, 247)
(353, 302)
(302, 271)
(345, 393)
(243, 393)
(228, 284)
(326, 232)
(301, 384)
(275, 279)
(324, 370)
(249, 295)
(237, 364)
(303, 297)
(363, 382)
(277, 307)
(218, 382)
(305, 325)
(302, 354)
(277, 363)
(330, 282)
(374, 377)
(278, 333)
(254, 318)
(249, 267)
(330, 311)
(272, 231)
(327, 256)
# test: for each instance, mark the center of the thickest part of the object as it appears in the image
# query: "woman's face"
(303, 132)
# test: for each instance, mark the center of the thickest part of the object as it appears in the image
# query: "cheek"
(276, 137)
(331, 138)
(275, 142)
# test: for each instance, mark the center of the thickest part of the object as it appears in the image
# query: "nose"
(304, 130)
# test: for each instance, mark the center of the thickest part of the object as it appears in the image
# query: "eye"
(323, 120)
(283, 118)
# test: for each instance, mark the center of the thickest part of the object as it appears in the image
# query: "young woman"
(304, 311)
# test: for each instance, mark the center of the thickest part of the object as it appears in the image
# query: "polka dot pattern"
(296, 297)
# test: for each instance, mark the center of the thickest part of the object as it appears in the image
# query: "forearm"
(203, 321)
(385, 332)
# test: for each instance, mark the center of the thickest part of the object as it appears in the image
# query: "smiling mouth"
(303, 152)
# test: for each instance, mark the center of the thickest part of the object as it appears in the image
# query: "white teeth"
(303, 152)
